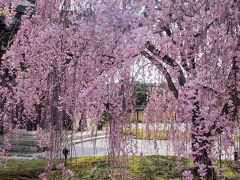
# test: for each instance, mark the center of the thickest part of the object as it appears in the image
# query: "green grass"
(237, 138)
(22, 169)
(230, 169)
(148, 167)
(141, 134)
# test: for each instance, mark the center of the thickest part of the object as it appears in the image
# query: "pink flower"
(187, 175)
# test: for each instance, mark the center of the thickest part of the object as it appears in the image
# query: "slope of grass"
(139, 168)
(149, 167)
(141, 134)
(22, 169)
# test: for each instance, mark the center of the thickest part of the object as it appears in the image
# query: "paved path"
(86, 144)
(99, 147)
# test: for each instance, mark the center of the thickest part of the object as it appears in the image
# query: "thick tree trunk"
(201, 157)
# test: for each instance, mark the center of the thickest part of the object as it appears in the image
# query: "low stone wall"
(27, 142)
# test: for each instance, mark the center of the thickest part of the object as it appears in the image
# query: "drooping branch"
(232, 77)
(232, 85)
(7, 34)
(156, 52)
(168, 60)
(166, 74)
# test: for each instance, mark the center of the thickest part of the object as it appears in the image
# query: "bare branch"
(166, 74)
(168, 60)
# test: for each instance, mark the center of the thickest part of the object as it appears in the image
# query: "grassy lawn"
(237, 138)
(141, 134)
(22, 169)
(149, 167)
